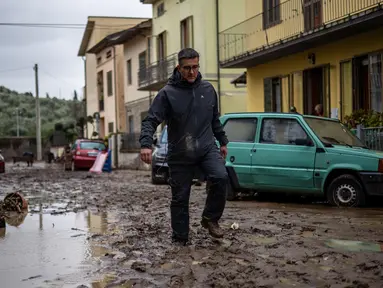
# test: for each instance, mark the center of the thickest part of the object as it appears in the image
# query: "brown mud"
(275, 245)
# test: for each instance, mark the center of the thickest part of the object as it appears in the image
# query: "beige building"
(137, 102)
(105, 99)
(179, 24)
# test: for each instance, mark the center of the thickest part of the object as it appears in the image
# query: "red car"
(84, 153)
(2, 163)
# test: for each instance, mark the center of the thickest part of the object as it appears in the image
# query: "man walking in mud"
(188, 105)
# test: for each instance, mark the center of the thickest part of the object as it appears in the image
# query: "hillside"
(52, 111)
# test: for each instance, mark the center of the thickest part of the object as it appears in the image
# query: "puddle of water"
(46, 247)
(354, 246)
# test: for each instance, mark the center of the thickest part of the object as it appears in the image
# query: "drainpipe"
(115, 104)
(86, 98)
(218, 68)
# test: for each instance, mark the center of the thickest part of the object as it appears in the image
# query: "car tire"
(346, 191)
(231, 195)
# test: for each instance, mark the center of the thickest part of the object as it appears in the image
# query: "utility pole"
(38, 121)
(17, 122)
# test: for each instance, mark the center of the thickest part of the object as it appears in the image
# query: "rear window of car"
(92, 146)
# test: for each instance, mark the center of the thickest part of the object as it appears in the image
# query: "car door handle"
(253, 150)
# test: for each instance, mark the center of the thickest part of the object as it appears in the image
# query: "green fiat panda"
(293, 153)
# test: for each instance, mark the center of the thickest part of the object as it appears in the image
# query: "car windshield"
(92, 146)
(333, 132)
(164, 136)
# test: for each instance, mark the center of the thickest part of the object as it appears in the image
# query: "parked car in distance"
(84, 153)
(2, 163)
(293, 153)
(160, 168)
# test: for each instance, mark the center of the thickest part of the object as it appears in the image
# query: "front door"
(241, 134)
(278, 162)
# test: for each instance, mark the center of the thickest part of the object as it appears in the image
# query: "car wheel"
(346, 191)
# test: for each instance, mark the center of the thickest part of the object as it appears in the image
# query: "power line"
(15, 69)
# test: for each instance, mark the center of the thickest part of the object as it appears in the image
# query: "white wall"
(131, 50)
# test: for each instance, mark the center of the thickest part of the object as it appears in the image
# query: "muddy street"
(113, 230)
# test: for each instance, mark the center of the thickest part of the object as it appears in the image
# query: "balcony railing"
(101, 105)
(156, 74)
(290, 20)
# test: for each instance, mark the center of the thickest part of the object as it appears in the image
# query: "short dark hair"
(187, 53)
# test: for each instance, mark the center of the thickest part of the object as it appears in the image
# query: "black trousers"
(181, 177)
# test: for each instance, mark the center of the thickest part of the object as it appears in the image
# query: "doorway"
(313, 87)
(360, 83)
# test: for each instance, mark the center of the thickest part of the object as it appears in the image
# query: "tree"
(75, 98)
(59, 127)
(47, 94)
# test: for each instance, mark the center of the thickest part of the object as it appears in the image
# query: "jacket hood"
(177, 80)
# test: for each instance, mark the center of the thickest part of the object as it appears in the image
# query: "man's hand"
(223, 150)
(146, 155)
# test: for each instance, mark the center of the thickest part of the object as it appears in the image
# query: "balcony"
(156, 75)
(295, 26)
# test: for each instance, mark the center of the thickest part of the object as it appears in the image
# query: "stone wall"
(16, 146)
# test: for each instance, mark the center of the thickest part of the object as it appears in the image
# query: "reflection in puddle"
(49, 248)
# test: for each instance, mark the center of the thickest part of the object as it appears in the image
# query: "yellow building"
(302, 53)
(179, 24)
(104, 93)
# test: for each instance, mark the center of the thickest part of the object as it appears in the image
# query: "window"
(109, 54)
(367, 82)
(109, 83)
(98, 60)
(281, 131)
(149, 49)
(87, 145)
(161, 46)
(187, 33)
(273, 95)
(160, 9)
(312, 14)
(271, 13)
(110, 127)
(142, 60)
(241, 130)
(129, 71)
(131, 124)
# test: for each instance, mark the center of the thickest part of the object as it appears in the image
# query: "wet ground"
(113, 230)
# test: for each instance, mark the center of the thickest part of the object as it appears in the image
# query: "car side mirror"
(304, 142)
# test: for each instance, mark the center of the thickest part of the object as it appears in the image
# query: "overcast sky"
(55, 50)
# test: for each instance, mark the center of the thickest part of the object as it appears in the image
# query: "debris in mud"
(234, 226)
(14, 202)
(33, 277)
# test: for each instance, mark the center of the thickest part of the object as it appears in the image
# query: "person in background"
(318, 110)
